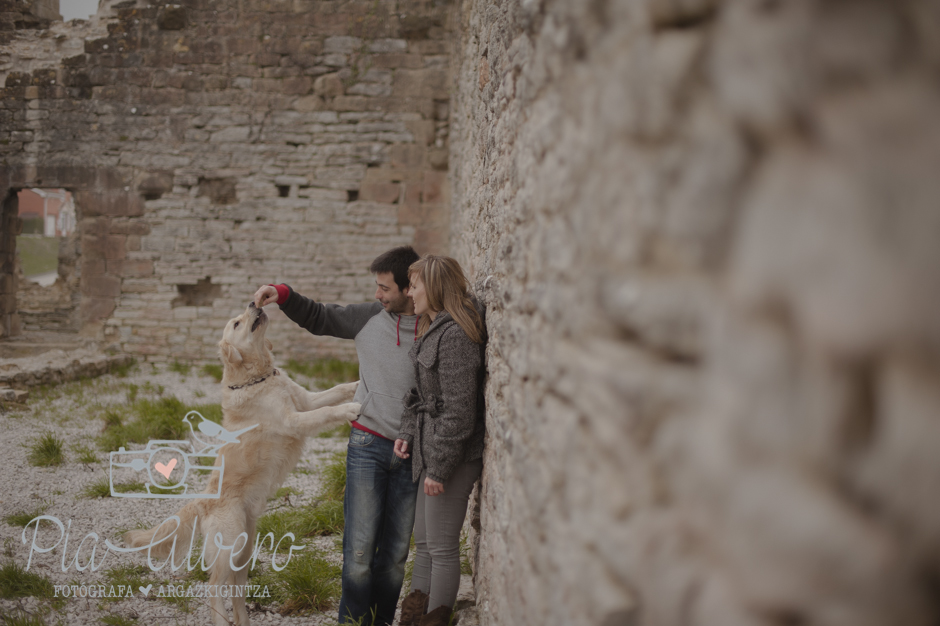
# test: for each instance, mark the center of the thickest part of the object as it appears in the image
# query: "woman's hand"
(432, 487)
(401, 449)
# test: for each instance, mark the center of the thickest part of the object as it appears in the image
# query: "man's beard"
(397, 306)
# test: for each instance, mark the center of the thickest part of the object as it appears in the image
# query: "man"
(379, 504)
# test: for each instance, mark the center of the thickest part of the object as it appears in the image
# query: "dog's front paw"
(348, 390)
(350, 411)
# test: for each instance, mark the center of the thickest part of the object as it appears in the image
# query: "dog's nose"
(251, 305)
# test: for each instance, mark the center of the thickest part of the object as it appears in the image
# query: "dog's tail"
(167, 536)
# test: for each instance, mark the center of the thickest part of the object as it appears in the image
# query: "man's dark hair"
(397, 261)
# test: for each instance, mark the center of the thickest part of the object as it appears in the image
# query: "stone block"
(406, 156)
(130, 269)
(95, 308)
(231, 134)
(298, 85)
(392, 61)
(356, 103)
(385, 46)
(380, 192)
(155, 185)
(759, 64)
(424, 83)
(109, 203)
(434, 187)
(129, 227)
(7, 303)
(92, 266)
(101, 285)
(107, 247)
(412, 192)
(341, 45)
(370, 89)
(14, 395)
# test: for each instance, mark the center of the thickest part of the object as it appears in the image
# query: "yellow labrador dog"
(272, 416)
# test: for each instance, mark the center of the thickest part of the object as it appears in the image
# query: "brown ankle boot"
(413, 607)
(438, 617)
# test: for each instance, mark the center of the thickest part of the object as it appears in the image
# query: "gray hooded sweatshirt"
(383, 340)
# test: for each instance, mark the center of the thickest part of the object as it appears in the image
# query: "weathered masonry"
(214, 146)
(709, 234)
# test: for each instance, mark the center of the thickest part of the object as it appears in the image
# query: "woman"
(442, 426)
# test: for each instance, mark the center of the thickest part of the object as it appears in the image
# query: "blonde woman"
(442, 427)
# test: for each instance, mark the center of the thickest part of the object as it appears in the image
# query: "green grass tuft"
(334, 478)
(465, 567)
(213, 370)
(197, 574)
(328, 372)
(308, 521)
(164, 488)
(285, 492)
(85, 454)
(182, 369)
(47, 451)
(210, 411)
(132, 391)
(21, 617)
(121, 371)
(322, 518)
(132, 576)
(151, 419)
(102, 489)
(16, 582)
(22, 518)
(309, 583)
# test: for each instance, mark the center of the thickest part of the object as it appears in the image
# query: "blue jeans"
(379, 508)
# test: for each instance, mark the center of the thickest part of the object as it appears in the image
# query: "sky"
(71, 9)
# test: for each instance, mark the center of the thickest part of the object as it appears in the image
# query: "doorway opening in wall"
(47, 215)
(39, 253)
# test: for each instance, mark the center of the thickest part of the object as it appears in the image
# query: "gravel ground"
(74, 412)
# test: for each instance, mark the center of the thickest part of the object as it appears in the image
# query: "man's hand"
(432, 487)
(266, 295)
(401, 449)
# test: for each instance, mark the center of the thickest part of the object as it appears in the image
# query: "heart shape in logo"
(165, 469)
(146, 590)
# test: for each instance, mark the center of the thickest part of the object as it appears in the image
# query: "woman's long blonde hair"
(448, 290)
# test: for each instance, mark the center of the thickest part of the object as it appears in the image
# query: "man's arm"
(332, 320)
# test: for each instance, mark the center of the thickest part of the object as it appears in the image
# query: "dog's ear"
(269, 345)
(230, 353)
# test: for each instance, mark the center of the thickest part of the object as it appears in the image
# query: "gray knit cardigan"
(443, 420)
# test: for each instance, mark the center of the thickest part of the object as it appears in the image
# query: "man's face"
(387, 292)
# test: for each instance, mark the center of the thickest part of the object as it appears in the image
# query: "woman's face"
(417, 293)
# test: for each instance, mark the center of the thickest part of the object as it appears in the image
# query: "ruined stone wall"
(214, 146)
(707, 236)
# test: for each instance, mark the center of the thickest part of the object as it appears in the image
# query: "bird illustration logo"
(208, 428)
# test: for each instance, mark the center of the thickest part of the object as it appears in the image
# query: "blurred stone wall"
(214, 146)
(708, 236)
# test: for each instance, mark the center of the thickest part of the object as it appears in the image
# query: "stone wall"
(216, 146)
(708, 237)
(10, 226)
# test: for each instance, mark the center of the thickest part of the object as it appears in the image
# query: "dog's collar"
(253, 382)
